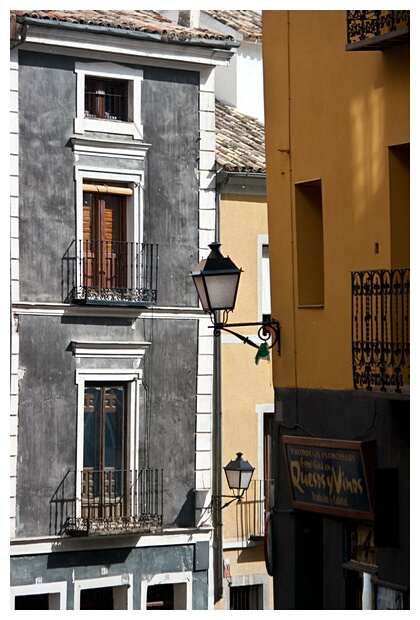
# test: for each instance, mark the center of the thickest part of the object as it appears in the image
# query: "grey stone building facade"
(112, 200)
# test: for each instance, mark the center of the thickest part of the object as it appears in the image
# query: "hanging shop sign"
(330, 476)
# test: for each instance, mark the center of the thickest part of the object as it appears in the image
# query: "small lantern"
(216, 279)
(239, 473)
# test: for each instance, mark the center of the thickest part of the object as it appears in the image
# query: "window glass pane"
(113, 407)
(92, 427)
(106, 99)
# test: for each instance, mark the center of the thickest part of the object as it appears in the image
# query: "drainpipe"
(217, 427)
(222, 178)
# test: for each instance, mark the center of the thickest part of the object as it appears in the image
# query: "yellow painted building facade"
(337, 121)
(247, 395)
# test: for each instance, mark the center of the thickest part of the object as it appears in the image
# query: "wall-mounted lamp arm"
(217, 501)
(267, 330)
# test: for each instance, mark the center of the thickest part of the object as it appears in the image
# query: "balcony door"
(105, 475)
(105, 261)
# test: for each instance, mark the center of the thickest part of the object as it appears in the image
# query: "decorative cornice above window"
(109, 349)
(108, 147)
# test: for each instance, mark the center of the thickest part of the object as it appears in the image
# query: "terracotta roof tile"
(248, 23)
(239, 138)
(240, 145)
(140, 21)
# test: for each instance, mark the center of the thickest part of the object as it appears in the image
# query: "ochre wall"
(348, 108)
(244, 383)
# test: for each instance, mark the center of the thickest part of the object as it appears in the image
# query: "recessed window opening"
(97, 598)
(160, 596)
(32, 602)
(310, 243)
(39, 596)
(246, 597)
(106, 98)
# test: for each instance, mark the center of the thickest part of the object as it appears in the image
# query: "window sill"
(303, 306)
(100, 125)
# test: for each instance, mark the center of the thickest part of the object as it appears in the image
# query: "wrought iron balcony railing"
(108, 501)
(377, 30)
(381, 329)
(110, 273)
(252, 509)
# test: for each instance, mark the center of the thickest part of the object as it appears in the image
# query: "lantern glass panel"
(221, 291)
(233, 477)
(201, 290)
(245, 480)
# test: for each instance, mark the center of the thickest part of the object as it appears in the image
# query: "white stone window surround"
(133, 77)
(262, 580)
(260, 410)
(182, 595)
(132, 377)
(135, 203)
(264, 302)
(122, 586)
(57, 592)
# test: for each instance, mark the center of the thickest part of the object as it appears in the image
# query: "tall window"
(264, 293)
(310, 243)
(265, 284)
(105, 260)
(105, 451)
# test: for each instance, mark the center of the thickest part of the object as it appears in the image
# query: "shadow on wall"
(186, 516)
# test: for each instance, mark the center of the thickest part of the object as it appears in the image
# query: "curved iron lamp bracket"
(267, 330)
(217, 501)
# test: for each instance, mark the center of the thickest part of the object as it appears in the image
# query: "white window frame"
(133, 77)
(260, 410)
(135, 202)
(56, 590)
(169, 578)
(247, 580)
(124, 581)
(133, 378)
(262, 240)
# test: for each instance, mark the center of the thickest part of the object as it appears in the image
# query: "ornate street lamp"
(238, 475)
(216, 279)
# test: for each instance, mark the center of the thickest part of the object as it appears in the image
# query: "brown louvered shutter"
(104, 225)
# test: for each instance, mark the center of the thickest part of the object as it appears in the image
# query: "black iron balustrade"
(111, 273)
(253, 507)
(377, 30)
(109, 501)
(381, 329)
